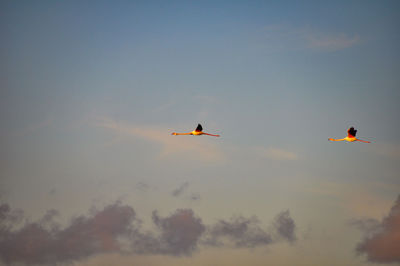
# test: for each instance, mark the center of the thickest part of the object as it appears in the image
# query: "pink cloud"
(382, 244)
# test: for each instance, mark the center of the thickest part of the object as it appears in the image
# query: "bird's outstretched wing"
(351, 132)
(199, 128)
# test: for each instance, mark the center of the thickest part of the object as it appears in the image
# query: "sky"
(90, 92)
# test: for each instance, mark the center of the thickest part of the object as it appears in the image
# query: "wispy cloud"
(144, 187)
(194, 197)
(276, 153)
(283, 37)
(199, 149)
(178, 191)
(330, 42)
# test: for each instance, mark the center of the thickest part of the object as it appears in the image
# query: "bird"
(197, 132)
(351, 136)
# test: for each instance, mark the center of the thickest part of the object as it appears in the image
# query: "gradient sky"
(90, 92)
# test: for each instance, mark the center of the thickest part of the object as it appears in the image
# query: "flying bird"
(351, 136)
(197, 132)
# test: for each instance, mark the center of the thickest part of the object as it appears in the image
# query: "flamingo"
(351, 136)
(197, 132)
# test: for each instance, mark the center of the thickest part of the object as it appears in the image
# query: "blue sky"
(91, 91)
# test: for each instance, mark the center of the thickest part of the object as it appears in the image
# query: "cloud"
(246, 232)
(43, 242)
(294, 38)
(114, 229)
(180, 232)
(117, 229)
(381, 243)
(198, 149)
(178, 191)
(285, 226)
(331, 42)
(52, 192)
(181, 189)
(367, 225)
(194, 197)
(8, 216)
(276, 153)
(241, 231)
(142, 186)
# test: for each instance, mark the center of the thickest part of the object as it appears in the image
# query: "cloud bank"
(381, 243)
(117, 229)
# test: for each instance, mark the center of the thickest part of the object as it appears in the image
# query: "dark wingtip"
(199, 127)
(351, 131)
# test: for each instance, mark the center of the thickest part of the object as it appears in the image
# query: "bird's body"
(351, 136)
(197, 132)
(350, 139)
